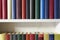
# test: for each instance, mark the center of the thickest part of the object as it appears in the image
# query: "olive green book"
(57, 36)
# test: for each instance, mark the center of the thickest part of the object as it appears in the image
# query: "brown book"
(27, 36)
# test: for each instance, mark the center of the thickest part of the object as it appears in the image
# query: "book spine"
(56, 36)
(32, 36)
(0, 9)
(13, 9)
(59, 9)
(51, 9)
(4, 9)
(7, 36)
(46, 9)
(56, 9)
(27, 9)
(42, 14)
(23, 36)
(46, 36)
(9, 8)
(32, 9)
(51, 36)
(37, 9)
(36, 36)
(27, 37)
(11, 36)
(18, 9)
(23, 9)
(19, 36)
(14, 36)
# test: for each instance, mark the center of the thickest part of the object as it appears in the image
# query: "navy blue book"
(56, 9)
(59, 9)
(42, 9)
(51, 36)
(13, 9)
(46, 9)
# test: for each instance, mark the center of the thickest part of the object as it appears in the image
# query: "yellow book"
(2, 36)
(57, 36)
(46, 36)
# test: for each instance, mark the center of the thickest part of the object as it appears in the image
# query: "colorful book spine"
(13, 9)
(32, 9)
(32, 36)
(23, 9)
(56, 36)
(7, 36)
(27, 37)
(51, 36)
(27, 9)
(36, 36)
(9, 8)
(18, 9)
(56, 9)
(37, 9)
(46, 9)
(23, 36)
(51, 9)
(0, 9)
(42, 13)
(4, 9)
(2, 36)
(46, 36)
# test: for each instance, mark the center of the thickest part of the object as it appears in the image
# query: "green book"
(57, 36)
(37, 9)
(36, 36)
(19, 36)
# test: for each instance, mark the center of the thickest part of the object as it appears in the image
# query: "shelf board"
(29, 20)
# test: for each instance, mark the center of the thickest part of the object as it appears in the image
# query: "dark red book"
(4, 9)
(8, 36)
(23, 9)
(27, 36)
(32, 36)
(51, 9)
(0, 9)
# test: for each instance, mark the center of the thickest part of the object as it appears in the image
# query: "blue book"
(59, 9)
(13, 9)
(56, 9)
(46, 9)
(42, 9)
(51, 36)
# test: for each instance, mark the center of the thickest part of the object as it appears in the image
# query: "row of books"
(19, 36)
(29, 9)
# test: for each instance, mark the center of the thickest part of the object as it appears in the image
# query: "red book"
(0, 9)
(32, 36)
(4, 9)
(40, 36)
(51, 9)
(27, 36)
(23, 9)
(7, 36)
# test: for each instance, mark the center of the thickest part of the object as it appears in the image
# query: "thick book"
(4, 9)
(32, 36)
(32, 9)
(13, 9)
(0, 9)
(18, 9)
(7, 36)
(46, 9)
(42, 9)
(36, 36)
(9, 8)
(51, 9)
(46, 36)
(27, 9)
(23, 9)
(56, 9)
(27, 36)
(37, 9)
(56, 36)
(51, 36)
(23, 36)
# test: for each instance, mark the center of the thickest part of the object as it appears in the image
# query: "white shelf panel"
(29, 20)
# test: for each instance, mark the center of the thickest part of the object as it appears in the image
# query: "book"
(23, 9)
(7, 36)
(36, 36)
(59, 9)
(56, 9)
(23, 36)
(56, 36)
(51, 9)
(13, 9)
(51, 36)
(37, 9)
(18, 9)
(46, 36)
(46, 9)
(27, 36)
(32, 9)
(27, 9)
(9, 9)
(11, 36)
(0, 9)
(2, 36)
(14, 36)
(42, 9)
(4, 9)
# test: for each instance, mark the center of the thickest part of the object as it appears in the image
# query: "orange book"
(27, 36)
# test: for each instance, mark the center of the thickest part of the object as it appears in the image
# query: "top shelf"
(29, 20)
